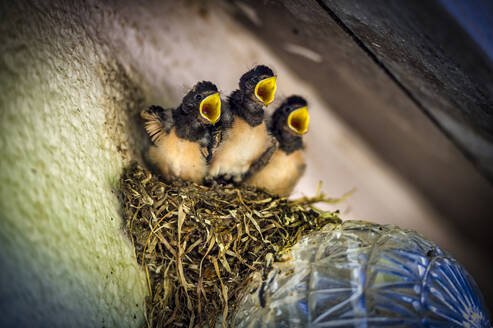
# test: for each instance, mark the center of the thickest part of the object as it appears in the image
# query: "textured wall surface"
(72, 80)
(64, 137)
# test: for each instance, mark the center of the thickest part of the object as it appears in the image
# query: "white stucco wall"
(72, 79)
(65, 105)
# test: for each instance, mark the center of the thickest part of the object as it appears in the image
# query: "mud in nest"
(199, 246)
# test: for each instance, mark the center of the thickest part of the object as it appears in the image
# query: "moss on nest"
(199, 245)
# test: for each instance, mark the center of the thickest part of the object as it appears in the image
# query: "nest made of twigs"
(199, 245)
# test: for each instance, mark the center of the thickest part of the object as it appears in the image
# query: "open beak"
(210, 108)
(299, 120)
(265, 90)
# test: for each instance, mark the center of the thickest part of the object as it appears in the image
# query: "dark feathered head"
(292, 116)
(203, 99)
(259, 84)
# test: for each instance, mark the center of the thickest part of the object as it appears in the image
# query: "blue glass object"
(360, 274)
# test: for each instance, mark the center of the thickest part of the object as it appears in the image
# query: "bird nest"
(199, 245)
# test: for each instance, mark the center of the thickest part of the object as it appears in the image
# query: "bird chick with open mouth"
(279, 173)
(243, 133)
(182, 136)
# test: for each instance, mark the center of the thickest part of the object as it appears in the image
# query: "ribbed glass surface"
(360, 274)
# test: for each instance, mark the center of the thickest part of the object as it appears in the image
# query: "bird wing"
(158, 122)
(263, 160)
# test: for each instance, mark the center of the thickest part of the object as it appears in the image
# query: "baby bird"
(182, 136)
(243, 135)
(279, 173)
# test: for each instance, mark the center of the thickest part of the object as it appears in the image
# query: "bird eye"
(198, 97)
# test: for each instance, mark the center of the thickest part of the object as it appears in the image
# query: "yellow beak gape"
(265, 90)
(210, 108)
(299, 120)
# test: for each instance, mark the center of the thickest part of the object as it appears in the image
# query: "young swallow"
(243, 135)
(182, 136)
(279, 172)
